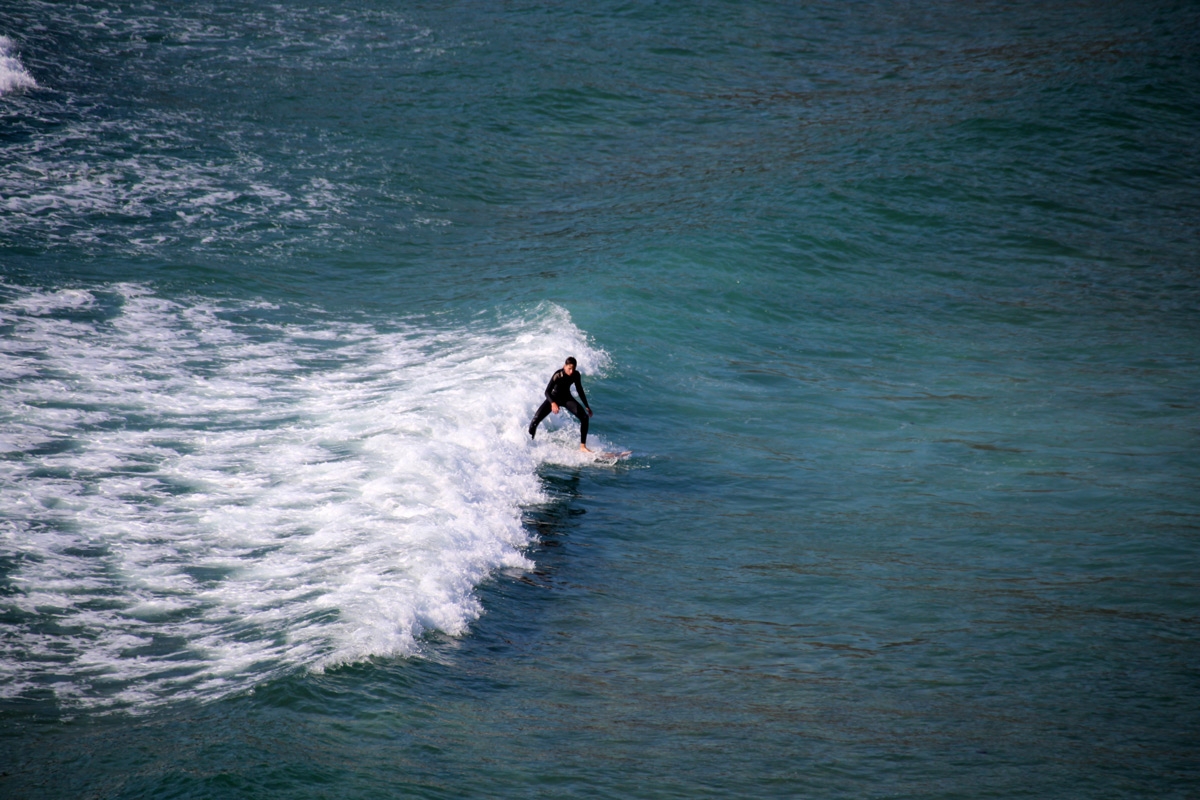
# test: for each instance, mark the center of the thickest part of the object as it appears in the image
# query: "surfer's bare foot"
(584, 448)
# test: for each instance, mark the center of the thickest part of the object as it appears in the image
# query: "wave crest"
(13, 75)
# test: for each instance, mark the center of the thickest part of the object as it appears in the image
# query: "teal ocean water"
(896, 304)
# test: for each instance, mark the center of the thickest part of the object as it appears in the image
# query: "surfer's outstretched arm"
(549, 393)
(579, 390)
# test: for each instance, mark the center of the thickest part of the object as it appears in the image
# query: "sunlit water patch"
(199, 495)
(131, 146)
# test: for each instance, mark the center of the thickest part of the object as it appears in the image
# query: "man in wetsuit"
(558, 393)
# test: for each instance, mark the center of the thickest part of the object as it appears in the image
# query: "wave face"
(199, 495)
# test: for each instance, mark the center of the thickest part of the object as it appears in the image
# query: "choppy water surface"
(896, 306)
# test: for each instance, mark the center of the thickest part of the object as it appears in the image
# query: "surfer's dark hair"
(570, 360)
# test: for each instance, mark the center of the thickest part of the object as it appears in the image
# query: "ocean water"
(896, 304)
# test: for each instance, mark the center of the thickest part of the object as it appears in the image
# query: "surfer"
(558, 394)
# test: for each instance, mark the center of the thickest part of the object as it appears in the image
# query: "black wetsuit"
(559, 391)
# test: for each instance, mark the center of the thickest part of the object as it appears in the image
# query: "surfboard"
(612, 457)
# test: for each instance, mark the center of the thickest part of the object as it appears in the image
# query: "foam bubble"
(13, 75)
(198, 495)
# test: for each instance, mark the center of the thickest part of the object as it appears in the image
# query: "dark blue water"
(895, 304)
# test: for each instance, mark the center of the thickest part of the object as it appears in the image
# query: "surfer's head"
(569, 365)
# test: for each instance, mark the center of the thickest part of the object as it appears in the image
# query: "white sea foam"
(196, 496)
(13, 75)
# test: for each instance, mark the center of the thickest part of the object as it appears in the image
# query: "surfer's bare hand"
(554, 407)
